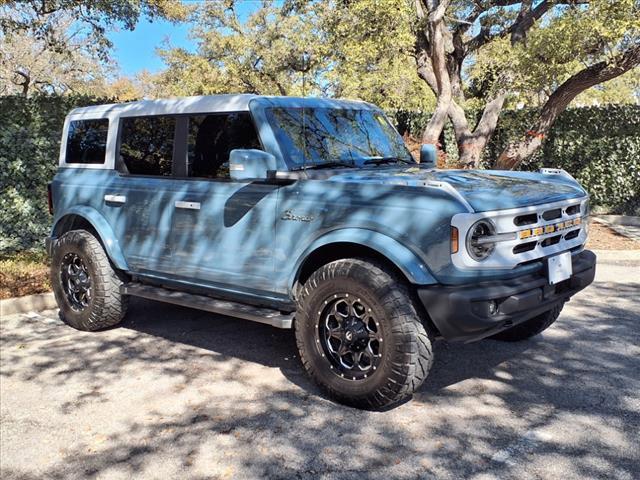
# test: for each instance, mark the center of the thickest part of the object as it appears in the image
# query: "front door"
(223, 231)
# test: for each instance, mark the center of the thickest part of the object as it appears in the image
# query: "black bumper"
(462, 313)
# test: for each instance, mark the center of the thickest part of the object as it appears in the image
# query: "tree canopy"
(464, 60)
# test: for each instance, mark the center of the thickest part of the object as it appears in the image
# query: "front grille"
(527, 234)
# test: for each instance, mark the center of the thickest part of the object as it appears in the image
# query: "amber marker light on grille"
(525, 233)
(549, 229)
(454, 240)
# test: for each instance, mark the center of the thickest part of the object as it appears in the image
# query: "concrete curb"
(29, 303)
(608, 256)
(46, 301)
(619, 219)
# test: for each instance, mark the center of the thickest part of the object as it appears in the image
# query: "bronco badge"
(289, 215)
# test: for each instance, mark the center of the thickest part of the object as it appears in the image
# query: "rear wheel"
(86, 286)
(530, 328)
(359, 335)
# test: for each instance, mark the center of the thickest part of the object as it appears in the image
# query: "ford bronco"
(311, 215)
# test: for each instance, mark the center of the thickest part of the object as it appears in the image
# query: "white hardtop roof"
(200, 104)
(209, 103)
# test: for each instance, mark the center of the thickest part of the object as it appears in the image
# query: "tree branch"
(558, 101)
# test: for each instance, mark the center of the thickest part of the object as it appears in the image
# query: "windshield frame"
(393, 138)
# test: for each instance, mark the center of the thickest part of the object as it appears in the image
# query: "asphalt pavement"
(178, 393)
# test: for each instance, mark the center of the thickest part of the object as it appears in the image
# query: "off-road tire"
(407, 355)
(530, 328)
(106, 306)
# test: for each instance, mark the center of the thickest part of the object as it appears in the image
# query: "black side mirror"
(428, 155)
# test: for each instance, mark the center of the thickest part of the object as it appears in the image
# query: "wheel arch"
(361, 243)
(87, 218)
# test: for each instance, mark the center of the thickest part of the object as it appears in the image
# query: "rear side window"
(87, 141)
(211, 139)
(146, 144)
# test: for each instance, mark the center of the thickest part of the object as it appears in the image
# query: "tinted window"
(146, 144)
(318, 135)
(211, 139)
(87, 141)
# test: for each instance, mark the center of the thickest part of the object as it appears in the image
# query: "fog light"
(493, 307)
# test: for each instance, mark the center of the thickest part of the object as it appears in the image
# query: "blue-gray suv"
(309, 214)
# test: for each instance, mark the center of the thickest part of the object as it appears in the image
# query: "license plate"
(559, 267)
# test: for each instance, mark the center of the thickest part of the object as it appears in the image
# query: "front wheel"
(359, 335)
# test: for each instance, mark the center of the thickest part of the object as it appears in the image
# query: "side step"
(202, 302)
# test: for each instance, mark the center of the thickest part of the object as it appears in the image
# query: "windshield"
(316, 136)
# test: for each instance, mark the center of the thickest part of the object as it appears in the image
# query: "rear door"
(139, 202)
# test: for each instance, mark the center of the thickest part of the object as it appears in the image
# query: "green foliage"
(30, 131)
(599, 146)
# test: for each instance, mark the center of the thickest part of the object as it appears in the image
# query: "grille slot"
(572, 234)
(529, 219)
(551, 241)
(552, 214)
(524, 247)
(573, 209)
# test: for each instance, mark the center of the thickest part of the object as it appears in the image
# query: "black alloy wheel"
(76, 281)
(351, 338)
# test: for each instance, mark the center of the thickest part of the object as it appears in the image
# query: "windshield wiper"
(326, 165)
(381, 160)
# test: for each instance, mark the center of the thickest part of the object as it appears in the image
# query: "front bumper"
(462, 313)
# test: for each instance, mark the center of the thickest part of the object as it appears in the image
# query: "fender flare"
(103, 229)
(412, 266)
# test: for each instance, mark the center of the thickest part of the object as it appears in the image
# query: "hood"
(483, 189)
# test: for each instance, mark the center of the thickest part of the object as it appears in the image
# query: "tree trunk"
(472, 144)
(438, 59)
(516, 152)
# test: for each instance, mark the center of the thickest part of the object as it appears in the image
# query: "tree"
(339, 48)
(371, 54)
(604, 40)
(563, 47)
(28, 65)
(57, 46)
(277, 49)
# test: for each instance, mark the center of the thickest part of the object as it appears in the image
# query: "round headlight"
(479, 245)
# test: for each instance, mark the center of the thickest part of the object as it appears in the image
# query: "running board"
(202, 302)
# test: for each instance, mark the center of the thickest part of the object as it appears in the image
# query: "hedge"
(599, 146)
(30, 130)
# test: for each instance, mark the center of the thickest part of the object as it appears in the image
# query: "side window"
(211, 139)
(146, 144)
(87, 141)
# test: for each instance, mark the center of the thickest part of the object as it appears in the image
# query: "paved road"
(177, 393)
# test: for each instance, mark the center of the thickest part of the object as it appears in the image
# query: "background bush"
(600, 146)
(30, 131)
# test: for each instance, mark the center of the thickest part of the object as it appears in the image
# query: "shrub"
(30, 131)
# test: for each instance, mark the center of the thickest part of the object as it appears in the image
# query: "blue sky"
(136, 50)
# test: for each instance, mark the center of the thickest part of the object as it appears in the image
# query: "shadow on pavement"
(566, 401)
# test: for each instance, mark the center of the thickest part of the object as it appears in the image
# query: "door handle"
(187, 205)
(115, 198)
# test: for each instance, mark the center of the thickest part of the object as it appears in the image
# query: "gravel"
(180, 393)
